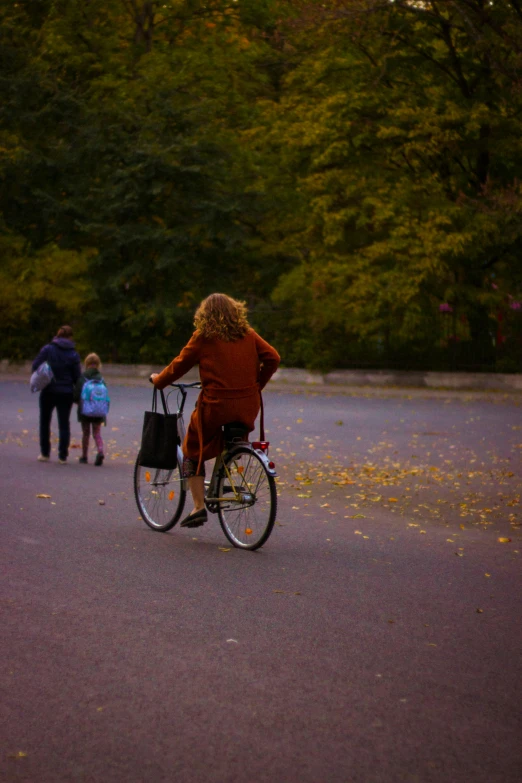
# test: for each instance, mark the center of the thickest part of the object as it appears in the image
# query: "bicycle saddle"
(235, 432)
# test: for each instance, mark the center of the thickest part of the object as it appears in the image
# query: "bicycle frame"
(220, 463)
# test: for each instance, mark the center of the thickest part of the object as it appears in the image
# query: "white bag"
(41, 377)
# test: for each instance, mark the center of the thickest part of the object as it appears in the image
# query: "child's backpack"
(94, 400)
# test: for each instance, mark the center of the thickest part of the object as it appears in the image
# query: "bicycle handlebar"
(193, 385)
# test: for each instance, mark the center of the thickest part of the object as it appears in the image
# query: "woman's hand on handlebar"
(153, 377)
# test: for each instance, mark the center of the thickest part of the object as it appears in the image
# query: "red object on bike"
(262, 445)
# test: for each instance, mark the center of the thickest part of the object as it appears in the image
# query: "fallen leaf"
(101, 502)
(392, 500)
(224, 548)
(480, 611)
(504, 540)
(43, 496)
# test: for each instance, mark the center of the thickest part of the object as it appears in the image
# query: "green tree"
(401, 126)
(128, 122)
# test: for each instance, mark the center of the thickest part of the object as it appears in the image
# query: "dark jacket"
(65, 364)
(92, 374)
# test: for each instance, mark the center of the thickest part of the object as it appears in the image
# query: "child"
(92, 373)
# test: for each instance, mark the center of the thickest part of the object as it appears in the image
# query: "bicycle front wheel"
(160, 496)
(247, 504)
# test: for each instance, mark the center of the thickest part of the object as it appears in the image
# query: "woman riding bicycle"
(235, 364)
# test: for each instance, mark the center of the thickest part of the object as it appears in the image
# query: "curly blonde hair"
(219, 316)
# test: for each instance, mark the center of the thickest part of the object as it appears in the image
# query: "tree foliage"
(346, 166)
(401, 122)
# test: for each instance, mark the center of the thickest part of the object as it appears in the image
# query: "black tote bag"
(159, 439)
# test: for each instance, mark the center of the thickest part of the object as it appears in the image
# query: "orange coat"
(232, 375)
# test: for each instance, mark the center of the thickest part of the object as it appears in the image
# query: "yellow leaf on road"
(43, 496)
(503, 540)
(224, 548)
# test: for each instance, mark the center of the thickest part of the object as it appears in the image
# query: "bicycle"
(241, 490)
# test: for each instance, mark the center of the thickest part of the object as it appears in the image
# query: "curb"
(353, 382)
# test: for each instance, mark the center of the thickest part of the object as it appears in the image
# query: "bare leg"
(197, 488)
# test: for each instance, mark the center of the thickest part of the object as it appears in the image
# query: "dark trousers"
(63, 404)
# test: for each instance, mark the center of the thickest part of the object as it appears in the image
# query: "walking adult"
(65, 363)
(235, 363)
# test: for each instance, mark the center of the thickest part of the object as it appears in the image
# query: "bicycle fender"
(261, 454)
(184, 481)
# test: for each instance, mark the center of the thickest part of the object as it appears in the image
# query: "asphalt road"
(375, 638)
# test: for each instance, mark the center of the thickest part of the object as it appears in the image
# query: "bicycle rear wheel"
(160, 496)
(248, 499)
